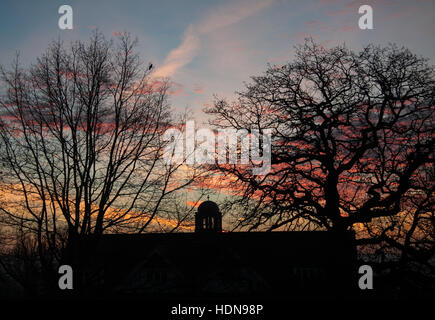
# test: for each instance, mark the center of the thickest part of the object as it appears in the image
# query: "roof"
(270, 254)
(208, 208)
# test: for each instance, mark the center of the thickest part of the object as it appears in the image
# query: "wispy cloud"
(181, 55)
(230, 14)
(221, 17)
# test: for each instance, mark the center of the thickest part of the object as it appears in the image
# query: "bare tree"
(81, 144)
(353, 141)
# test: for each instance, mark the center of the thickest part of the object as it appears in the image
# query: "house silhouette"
(211, 263)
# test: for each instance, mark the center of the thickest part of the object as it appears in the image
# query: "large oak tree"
(352, 145)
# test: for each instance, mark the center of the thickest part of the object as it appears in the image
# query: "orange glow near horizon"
(14, 197)
(193, 203)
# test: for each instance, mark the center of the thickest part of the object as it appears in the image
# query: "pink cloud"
(198, 88)
(175, 89)
(157, 85)
(348, 29)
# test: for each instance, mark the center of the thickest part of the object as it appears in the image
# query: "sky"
(212, 47)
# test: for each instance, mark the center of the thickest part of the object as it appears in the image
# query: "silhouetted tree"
(81, 144)
(352, 145)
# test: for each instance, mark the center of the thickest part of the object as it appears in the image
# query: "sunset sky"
(211, 47)
(335, 140)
